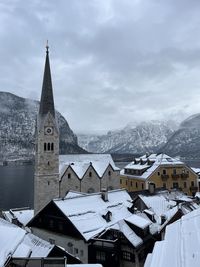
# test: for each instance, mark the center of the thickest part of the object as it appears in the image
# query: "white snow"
(15, 241)
(181, 244)
(86, 213)
(23, 215)
(138, 221)
(81, 162)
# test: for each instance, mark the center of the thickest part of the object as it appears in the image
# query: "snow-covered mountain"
(136, 139)
(185, 142)
(18, 117)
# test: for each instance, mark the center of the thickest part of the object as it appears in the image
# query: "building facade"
(161, 171)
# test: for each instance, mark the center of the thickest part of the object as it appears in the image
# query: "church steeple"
(47, 102)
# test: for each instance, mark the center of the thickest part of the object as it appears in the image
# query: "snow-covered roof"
(156, 161)
(196, 170)
(88, 213)
(23, 215)
(15, 241)
(138, 221)
(81, 162)
(181, 244)
(158, 203)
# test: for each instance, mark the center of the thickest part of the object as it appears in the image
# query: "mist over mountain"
(134, 138)
(185, 142)
(18, 118)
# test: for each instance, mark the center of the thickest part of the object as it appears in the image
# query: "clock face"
(48, 130)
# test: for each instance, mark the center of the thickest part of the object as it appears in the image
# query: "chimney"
(104, 194)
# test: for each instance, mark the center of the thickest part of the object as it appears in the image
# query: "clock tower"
(46, 179)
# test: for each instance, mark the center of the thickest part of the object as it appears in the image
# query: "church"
(56, 174)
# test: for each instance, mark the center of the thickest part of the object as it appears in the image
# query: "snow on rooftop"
(86, 212)
(22, 215)
(15, 241)
(181, 244)
(81, 162)
(138, 221)
(158, 203)
(156, 160)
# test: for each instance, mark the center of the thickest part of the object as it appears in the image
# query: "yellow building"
(160, 170)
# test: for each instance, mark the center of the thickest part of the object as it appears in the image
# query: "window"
(69, 175)
(90, 190)
(48, 146)
(81, 252)
(158, 173)
(131, 183)
(126, 182)
(175, 185)
(109, 173)
(45, 146)
(136, 184)
(120, 181)
(164, 172)
(174, 171)
(52, 146)
(126, 255)
(142, 186)
(48, 183)
(48, 163)
(75, 250)
(164, 185)
(90, 174)
(185, 185)
(192, 183)
(100, 256)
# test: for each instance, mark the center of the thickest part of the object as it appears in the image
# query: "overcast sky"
(112, 61)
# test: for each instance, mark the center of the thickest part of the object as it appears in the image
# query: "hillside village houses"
(78, 204)
(161, 171)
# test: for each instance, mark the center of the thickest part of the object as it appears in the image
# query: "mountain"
(135, 139)
(185, 142)
(18, 118)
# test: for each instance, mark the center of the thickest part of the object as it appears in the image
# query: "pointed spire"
(46, 101)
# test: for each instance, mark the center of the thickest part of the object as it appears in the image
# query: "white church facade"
(56, 174)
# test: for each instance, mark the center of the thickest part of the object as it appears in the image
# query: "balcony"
(175, 176)
(184, 176)
(164, 177)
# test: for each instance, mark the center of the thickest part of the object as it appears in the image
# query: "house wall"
(132, 183)
(89, 184)
(110, 179)
(64, 241)
(72, 183)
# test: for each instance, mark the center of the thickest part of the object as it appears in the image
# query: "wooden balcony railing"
(184, 176)
(175, 176)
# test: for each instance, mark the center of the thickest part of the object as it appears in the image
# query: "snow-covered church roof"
(81, 162)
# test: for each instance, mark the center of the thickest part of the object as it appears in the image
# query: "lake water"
(16, 184)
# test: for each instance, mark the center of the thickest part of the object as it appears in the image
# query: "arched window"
(91, 190)
(48, 146)
(45, 146)
(52, 146)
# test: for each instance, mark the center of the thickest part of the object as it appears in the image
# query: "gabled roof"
(80, 163)
(23, 215)
(15, 241)
(181, 244)
(149, 164)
